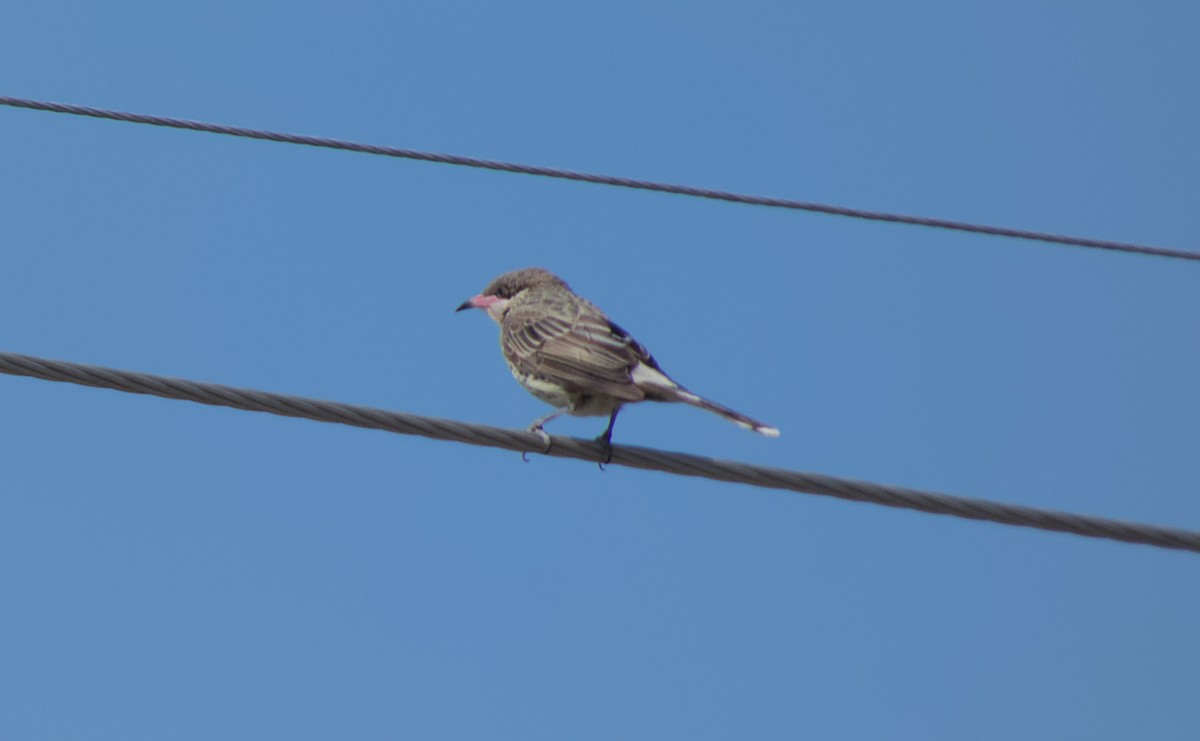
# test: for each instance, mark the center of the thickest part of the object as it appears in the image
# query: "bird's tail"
(737, 418)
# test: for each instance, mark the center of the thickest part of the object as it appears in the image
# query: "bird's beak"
(473, 302)
(478, 302)
(493, 305)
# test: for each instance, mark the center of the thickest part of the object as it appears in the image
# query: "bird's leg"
(537, 427)
(606, 438)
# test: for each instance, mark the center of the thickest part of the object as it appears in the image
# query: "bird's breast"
(544, 389)
(582, 404)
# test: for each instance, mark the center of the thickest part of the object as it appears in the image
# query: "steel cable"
(570, 447)
(621, 182)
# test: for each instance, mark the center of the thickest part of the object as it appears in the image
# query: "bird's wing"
(583, 352)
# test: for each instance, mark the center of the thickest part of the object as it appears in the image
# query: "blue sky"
(172, 570)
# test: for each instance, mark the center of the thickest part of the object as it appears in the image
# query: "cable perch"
(589, 450)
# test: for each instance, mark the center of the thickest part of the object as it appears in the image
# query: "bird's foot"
(545, 439)
(606, 441)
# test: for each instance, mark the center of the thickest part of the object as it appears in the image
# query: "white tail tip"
(759, 428)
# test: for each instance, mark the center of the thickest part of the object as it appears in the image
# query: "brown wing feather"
(573, 344)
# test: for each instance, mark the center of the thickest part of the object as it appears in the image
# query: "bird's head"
(494, 299)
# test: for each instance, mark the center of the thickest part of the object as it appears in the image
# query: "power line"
(621, 182)
(570, 447)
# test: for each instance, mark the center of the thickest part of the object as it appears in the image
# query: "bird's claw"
(545, 439)
(608, 451)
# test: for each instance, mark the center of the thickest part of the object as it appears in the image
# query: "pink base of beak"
(477, 302)
(494, 305)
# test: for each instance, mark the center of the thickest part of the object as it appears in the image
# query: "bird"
(565, 351)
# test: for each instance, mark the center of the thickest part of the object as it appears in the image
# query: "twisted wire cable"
(589, 450)
(620, 182)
